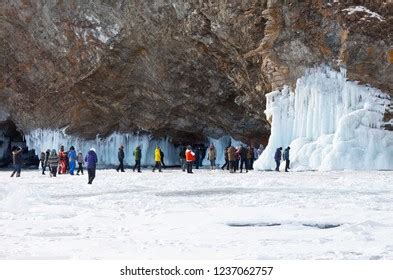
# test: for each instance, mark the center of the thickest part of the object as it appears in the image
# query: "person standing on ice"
(42, 161)
(285, 157)
(232, 159)
(91, 164)
(237, 158)
(17, 161)
(46, 163)
(190, 158)
(62, 161)
(120, 156)
(226, 164)
(80, 163)
(53, 163)
(182, 157)
(72, 159)
(277, 158)
(157, 159)
(138, 156)
(249, 157)
(162, 159)
(243, 158)
(211, 155)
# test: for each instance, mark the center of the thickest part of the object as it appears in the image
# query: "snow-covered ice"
(207, 215)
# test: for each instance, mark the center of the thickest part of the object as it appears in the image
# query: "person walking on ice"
(286, 158)
(138, 156)
(91, 164)
(157, 159)
(120, 156)
(277, 158)
(17, 161)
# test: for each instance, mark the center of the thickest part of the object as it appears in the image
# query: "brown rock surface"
(183, 68)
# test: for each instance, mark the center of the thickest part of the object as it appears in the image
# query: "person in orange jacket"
(190, 158)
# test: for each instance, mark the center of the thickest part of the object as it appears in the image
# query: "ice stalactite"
(330, 123)
(107, 148)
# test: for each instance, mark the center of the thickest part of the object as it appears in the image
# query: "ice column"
(330, 123)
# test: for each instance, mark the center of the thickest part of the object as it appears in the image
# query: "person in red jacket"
(190, 158)
(62, 162)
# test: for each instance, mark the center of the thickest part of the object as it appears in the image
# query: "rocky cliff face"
(182, 68)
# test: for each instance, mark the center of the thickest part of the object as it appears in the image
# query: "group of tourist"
(65, 162)
(237, 158)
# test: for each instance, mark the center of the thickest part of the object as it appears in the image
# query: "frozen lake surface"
(207, 215)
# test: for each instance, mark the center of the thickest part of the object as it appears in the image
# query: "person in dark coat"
(243, 159)
(250, 157)
(17, 161)
(226, 164)
(138, 156)
(162, 159)
(53, 162)
(46, 163)
(42, 161)
(182, 157)
(277, 158)
(237, 158)
(91, 163)
(285, 157)
(120, 156)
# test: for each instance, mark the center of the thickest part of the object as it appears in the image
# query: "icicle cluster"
(107, 148)
(329, 123)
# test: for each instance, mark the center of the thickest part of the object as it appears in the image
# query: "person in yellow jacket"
(157, 159)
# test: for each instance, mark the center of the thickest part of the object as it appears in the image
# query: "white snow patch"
(362, 9)
(329, 123)
(175, 215)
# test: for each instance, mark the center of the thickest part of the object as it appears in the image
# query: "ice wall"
(330, 123)
(107, 148)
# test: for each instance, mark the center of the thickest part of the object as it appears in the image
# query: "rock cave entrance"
(11, 136)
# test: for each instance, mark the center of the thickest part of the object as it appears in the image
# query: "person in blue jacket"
(72, 159)
(277, 158)
(91, 163)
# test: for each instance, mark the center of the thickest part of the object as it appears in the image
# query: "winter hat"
(92, 149)
(189, 147)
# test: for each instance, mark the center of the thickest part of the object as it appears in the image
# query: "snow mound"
(367, 12)
(329, 123)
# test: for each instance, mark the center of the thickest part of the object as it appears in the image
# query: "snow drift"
(330, 123)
